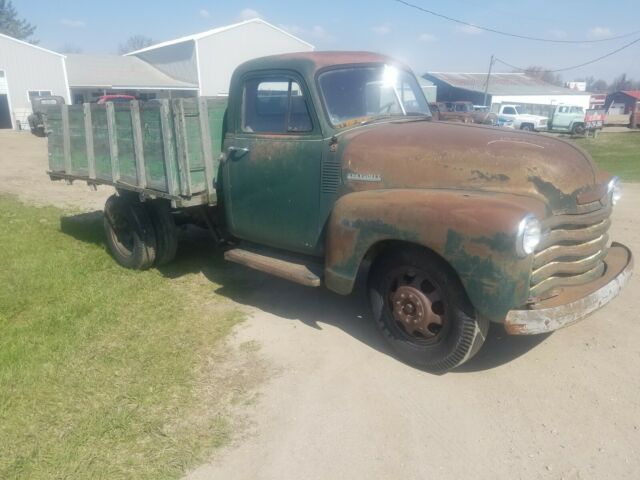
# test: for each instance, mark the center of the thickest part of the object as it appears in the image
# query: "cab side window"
(509, 111)
(274, 105)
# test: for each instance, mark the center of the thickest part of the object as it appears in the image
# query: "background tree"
(71, 48)
(543, 74)
(136, 42)
(13, 26)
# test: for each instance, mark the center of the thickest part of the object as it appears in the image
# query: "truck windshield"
(355, 95)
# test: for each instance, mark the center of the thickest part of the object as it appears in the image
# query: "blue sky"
(423, 41)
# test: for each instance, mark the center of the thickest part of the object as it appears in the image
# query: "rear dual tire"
(139, 235)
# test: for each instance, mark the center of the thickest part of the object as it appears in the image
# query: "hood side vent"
(330, 177)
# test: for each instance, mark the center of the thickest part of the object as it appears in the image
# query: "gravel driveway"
(560, 406)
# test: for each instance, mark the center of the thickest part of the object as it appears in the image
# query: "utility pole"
(486, 85)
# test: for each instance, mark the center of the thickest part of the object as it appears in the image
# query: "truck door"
(272, 167)
(561, 117)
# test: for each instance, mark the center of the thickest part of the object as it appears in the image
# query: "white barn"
(209, 58)
(27, 71)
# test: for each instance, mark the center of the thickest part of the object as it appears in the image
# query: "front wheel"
(527, 127)
(423, 312)
(578, 129)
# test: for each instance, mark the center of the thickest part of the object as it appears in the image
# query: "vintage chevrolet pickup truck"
(325, 166)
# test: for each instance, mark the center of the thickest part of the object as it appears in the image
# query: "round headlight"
(529, 235)
(614, 189)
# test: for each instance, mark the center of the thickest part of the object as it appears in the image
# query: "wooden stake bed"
(160, 149)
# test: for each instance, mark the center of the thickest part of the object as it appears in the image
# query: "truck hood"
(423, 154)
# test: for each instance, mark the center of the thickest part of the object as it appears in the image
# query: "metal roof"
(215, 31)
(31, 45)
(114, 71)
(500, 83)
(632, 93)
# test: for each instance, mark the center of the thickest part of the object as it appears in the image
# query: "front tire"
(578, 129)
(527, 127)
(422, 310)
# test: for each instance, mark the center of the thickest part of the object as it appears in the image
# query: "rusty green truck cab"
(342, 192)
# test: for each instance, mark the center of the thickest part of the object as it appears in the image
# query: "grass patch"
(616, 153)
(101, 368)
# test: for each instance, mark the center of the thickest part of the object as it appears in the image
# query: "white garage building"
(199, 64)
(27, 71)
(209, 58)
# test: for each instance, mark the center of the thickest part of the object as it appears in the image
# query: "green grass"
(616, 153)
(102, 369)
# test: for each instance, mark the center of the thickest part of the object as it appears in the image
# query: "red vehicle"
(115, 99)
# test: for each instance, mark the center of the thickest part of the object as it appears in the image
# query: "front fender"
(473, 231)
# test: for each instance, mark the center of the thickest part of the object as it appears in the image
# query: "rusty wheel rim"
(417, 305)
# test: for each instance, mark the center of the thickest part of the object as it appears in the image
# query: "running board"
(293, 269)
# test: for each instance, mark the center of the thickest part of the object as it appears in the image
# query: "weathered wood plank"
(207, 150)
(66, 138)
(113, 142)
(138, 146)
(88, 133)
(182, 147)
(167, 140)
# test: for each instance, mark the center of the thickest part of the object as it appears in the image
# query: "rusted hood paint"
(425, 155)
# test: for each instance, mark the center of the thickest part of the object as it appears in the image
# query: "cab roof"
(311, 62)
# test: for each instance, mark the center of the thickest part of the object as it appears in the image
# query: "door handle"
(237, 152)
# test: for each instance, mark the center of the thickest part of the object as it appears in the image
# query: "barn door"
(5, 113)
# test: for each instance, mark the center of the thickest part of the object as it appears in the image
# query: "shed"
(91, 76)
(625, 102)
(517, 88)
(27, 71)
(209, 58)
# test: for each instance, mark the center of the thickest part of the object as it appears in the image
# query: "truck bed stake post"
(138, 146)
(113, 142)
(207, 153)
(88, 134)
(66, 139)
(168, 146)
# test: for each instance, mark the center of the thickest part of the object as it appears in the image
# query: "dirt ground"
(339, 406)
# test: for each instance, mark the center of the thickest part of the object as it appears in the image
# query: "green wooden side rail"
(161, 148)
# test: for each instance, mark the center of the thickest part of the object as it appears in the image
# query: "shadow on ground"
(312, 307)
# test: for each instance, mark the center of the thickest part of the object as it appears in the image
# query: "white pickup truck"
(520, 119)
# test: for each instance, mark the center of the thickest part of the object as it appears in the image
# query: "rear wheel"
(165, 231)
(423, 312)
(130, 234)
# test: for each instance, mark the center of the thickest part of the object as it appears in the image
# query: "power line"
(580, 65)
(508, 34)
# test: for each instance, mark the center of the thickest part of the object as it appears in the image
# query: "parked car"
(314, 166)
(522, 120)
(483, 114)
(115, 99)
(36, 119)
(455, 112)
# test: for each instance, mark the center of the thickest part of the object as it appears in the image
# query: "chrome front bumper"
(572, 304)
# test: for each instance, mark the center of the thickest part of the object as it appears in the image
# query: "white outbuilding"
(209, 58)
(27, 71)
(537, 96)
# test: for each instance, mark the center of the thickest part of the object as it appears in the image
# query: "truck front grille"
(572, 250)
